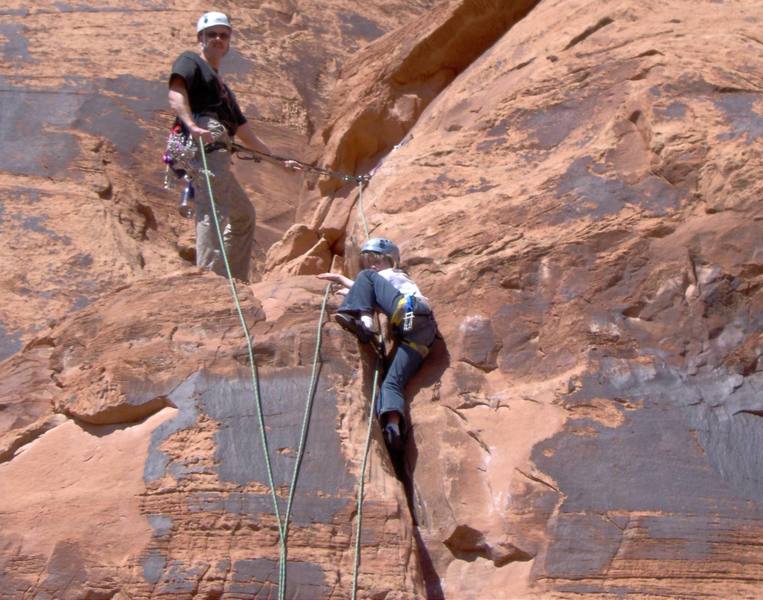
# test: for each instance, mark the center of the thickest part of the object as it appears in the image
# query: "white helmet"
(211, 19)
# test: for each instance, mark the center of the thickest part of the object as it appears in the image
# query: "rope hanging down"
(371, 412)
(283, 526)
(361, 483)
(302, 438)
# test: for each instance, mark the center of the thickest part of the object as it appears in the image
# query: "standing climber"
(208, 111)
(383, 286)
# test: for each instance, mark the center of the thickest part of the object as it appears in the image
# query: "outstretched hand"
(333, 277)
(337, 278)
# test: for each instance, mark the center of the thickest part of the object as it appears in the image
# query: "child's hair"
(368, 259)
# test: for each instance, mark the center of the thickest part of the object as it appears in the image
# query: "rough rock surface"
(178, 502)
(582, 206)
(85, 119)
(573, 184)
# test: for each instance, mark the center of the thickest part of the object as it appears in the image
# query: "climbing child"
(383, 286)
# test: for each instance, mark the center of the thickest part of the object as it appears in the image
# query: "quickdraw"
(408, 317)
(180, 156)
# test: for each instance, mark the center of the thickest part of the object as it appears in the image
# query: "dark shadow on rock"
(404, 462)
(119, 417)
(431, 577)
(429, 375)
(432, 368)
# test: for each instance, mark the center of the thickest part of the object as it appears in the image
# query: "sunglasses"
(222, 35)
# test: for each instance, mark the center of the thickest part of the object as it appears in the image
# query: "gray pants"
(235, 212)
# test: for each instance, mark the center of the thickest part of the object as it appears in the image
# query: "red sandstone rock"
(299, 252)
(567, 187)
(575, 189)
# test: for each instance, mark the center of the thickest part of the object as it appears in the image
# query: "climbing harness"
(404, 313)
(180, 151)
(181, 158)
(403, 320)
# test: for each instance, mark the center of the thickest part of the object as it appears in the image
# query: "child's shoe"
(392, 438)
(354, 326)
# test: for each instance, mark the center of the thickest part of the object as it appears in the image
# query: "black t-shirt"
(207, 94)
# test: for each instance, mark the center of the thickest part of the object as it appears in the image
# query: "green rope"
(361, 484)
(252, 363)
(302, 439)
(283, 526)
(371, 412)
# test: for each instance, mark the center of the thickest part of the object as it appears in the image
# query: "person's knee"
(367, 274)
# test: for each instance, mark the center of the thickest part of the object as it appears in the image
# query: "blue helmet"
(384, 247)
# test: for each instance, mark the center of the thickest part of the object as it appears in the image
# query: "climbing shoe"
(392, 438)
(354, 326)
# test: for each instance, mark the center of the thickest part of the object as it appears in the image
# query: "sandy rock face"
(161, 462)
(574, 185)
(580, 205)
(85, 120)
(113, 393)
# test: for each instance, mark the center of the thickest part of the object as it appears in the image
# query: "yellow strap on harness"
(420, 348)
(397, 317)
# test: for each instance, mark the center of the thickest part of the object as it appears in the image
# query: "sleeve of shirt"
(238, 115)
(186, 68)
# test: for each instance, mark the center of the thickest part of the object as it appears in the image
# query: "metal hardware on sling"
(408, 317)
(249, 154)
(186, 208)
